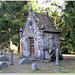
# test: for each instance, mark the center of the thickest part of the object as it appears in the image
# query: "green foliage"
(67, 26)
(12, 16)
(35, 6)
(70, 18)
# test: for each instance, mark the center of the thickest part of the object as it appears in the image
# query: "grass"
(67, 66)
(4, 69)
(73, 58)
(34, 71)
(26, 64)
(13, 54)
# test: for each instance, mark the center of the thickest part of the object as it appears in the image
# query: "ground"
(67, 66)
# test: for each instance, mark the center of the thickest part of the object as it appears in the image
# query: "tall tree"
(12, 17)
(70, 18)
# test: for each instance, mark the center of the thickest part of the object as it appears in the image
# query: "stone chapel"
(39, 36)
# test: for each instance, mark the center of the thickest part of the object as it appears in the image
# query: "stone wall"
(30, 31)
(41, 39)
(51, 41)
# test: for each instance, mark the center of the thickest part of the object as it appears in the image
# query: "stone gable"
(39, 36)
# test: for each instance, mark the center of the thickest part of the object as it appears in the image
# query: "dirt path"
(16, 68)
(42, 67)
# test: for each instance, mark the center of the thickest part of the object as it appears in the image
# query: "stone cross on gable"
(30, 8)
(30, 5)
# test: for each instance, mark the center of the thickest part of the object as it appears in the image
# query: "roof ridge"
(40, 13)
(44, 19)
(51, 21)
(47, 17)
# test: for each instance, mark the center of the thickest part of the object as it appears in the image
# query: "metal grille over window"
(32, 42)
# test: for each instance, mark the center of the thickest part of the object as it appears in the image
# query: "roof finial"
(30, 8)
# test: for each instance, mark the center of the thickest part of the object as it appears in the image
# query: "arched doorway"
(32, 51)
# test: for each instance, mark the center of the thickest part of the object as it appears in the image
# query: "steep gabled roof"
(44, 19)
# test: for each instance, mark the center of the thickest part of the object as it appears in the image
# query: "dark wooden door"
(32, 52)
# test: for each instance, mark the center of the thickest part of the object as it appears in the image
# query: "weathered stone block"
(1, 52)
(22, 54)
(34, 66)
(57, 69)
(40, 57)
(24, 61)
(57, 56)
(3, 58)
(11, 57)
(2, 65)
(46, 61)
(33, 58)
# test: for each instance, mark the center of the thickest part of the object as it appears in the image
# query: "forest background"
(13, 15)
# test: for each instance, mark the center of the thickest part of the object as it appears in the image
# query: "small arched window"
(30, 23)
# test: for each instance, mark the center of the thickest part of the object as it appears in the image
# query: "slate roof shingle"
(44, 19)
